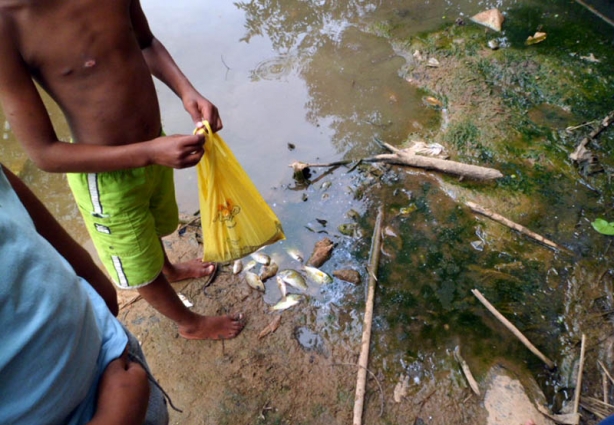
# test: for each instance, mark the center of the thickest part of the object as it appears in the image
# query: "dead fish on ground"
(293, 278)
(318, 275)
(268, 271)
(254, 281)
(261, 258)
(295, 254)
(250, 265)
(270, 328)
(237, 266)
(282, 287)
(288, 301)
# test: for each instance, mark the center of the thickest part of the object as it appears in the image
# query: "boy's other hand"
(200, 109)
(177, 151)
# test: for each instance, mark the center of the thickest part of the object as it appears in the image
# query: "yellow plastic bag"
(236, 220)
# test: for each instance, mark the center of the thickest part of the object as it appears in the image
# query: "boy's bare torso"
(86, 55)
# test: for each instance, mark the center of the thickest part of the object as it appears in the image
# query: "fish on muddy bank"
(268, 271)
(318, 275)
(237, 266)
(288, 301)
(254, 281)
(293, 278)
(282, 287)
(295, 254)
(261, 257)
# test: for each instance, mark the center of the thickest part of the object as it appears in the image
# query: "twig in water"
(518, 227)
(576, 403)
(513, 328)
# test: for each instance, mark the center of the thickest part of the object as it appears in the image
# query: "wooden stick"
(512, 225)
(595, 12)
(604, 384)
(363, 360)
(576, 403)
(606, 371)
(513, 328)
(465, 367)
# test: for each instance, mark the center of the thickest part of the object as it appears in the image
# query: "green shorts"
(126, 213)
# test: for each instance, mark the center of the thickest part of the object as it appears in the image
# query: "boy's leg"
(193, 269)
(161, 296)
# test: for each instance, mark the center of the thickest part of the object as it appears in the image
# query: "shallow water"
(325, 78)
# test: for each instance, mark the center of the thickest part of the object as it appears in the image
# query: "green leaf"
(603, 227)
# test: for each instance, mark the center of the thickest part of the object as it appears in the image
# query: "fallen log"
(513, 328)
(407, 157)
(512, 225)
(410, 158)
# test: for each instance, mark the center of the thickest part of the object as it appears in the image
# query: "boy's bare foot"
(213, 327)
(193, 269)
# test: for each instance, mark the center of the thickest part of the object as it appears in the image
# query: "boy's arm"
(75, 254)
(164, 68)
(25, 111)
(123, 394)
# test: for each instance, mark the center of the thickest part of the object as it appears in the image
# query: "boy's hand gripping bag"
(236, 220)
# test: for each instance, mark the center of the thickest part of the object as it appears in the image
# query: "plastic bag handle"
(205, 129)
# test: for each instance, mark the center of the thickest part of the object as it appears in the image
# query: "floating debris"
(287, 302)
(590, 58)
(432, 102)
(348, 275)
(318, 275)
(254, 281)
(538, 37)
(322, 251)
(270, 328)
(433, 63)
(492, 19)
(400, 389)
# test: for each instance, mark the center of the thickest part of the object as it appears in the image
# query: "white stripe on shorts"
(92, 186)
(117, 264)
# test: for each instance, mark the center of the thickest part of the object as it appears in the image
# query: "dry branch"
(512, 225)
(407, 157)
(410, 158)
(513, 328)
(363, 360)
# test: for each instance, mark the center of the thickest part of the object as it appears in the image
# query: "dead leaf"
(271, 327)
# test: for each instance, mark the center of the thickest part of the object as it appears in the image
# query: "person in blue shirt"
(64, 357)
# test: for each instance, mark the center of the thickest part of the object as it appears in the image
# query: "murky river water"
(316, 82)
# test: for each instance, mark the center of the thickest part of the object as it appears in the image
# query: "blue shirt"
(56, 334)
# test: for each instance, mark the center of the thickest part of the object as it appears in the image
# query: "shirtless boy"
(96, 60)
